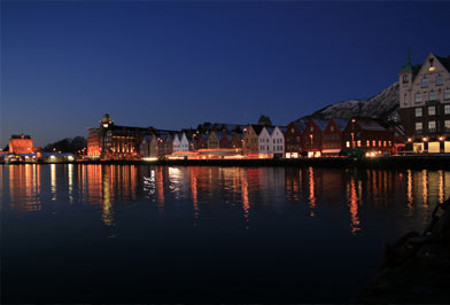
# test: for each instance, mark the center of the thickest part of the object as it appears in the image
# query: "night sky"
(173, 65)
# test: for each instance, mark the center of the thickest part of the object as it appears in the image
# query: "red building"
(113, 142)
(21, 144)
(312, 137)
(293, 139)
(369, 134)
(332, 137)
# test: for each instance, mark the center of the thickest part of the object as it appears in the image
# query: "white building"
(277, 140)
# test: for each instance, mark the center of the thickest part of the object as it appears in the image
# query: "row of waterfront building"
(313, 138)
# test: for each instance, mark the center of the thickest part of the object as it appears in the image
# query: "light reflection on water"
(149, 232)
(248, 187)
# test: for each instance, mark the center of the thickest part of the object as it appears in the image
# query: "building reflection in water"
(249, 189)
(53, 182)
(24, 187)
(245, 197)
(312, 190)
(353, 198)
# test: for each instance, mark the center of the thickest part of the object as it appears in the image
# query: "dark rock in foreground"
(416, 269)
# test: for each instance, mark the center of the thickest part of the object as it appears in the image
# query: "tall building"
(21, 144)
(113, 142)
(425, 104)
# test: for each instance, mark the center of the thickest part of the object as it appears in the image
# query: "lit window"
(432, 126)
(405, 79)
(424, 82)
(358, 143)
(406, 99)
(432, 95)
(379, 143)
(418, 98)
(447, 125)
(431, 110)
(418, 112)
(368, 143)
(447, 109)
(439, 80)
(332, 128)
(312, 128)
(447, 94)
(390, 143)
(419, 126)
(384, 143)
(374, 143)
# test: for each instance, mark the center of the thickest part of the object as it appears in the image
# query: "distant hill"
(384, 105)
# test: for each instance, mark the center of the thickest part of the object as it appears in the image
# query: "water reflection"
(27, 187)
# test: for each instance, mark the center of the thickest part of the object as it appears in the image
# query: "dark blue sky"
(174, 64)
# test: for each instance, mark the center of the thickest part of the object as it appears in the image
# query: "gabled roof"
(15, 136)
(370, 124)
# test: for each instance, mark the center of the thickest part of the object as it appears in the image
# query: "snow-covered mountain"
(384, 105)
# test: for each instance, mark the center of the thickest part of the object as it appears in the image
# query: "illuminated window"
(379, 143)
(432, 126)
(418, 98)
(347, 144)
(439, 80)
(405, 79)
(406, 99)
(447, 125)
(332, 128)
(390, 143)
(432, 95)
(384, 143)
(447, 94)
(358, 143)
(368, 143)
(431, 110)
(424, 82)
(447, 109)
(418, 112)
(312, 128)
(374, 143)
(419, 126)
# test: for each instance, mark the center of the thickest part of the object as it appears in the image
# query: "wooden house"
(293, 139)
(332, 137)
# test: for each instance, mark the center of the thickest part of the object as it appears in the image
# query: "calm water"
(92, 233)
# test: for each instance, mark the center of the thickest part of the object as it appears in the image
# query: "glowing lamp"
(105, 125)
(431, 68)
(425, 139)
(409, 140)
(441, 138)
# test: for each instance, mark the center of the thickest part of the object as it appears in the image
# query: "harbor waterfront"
(130, 233)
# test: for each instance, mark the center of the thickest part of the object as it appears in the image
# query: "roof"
(370, 124)
(15, 136)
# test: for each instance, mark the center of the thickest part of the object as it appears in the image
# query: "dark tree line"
(67, 145)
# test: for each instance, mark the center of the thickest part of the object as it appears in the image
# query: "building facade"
(113, 142)
(424, 97)
(21, 144)
(368, 135)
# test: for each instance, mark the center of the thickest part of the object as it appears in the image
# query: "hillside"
(384, 105)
